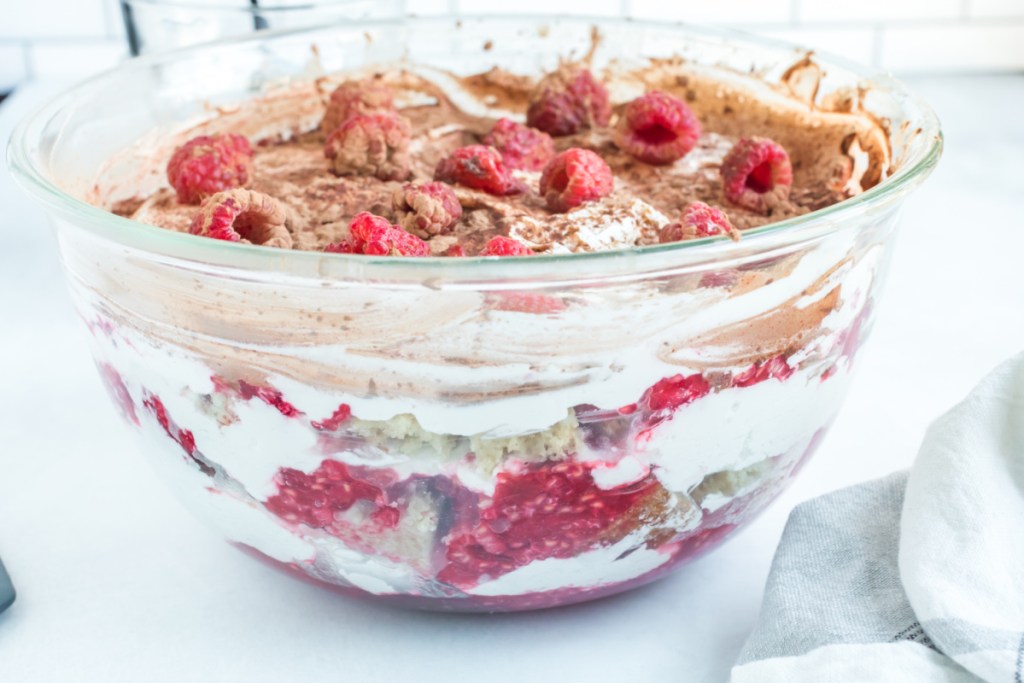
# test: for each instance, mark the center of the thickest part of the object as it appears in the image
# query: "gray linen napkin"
(918, 576)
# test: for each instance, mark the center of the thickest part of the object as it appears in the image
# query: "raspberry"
(505, 246)
(456, 251)
(479, 167)
(775, 367)
(667, 396)
(426, 210)
(573, 177)
(375, 236)
(182, 437)
(670, 393)
(527, 302)
(547, 510)
(242, 216)
(756, 174)
(370, 145)
(208, 164)
(342, 413)
(657, 128)
(314, 499)
(355, 97)
(521, 147)
(118, 391)
(568, 101)
(698, 220)
(269, 395)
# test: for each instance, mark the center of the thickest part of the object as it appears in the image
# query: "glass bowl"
(471, 434)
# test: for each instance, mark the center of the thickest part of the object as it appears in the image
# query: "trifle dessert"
(506, 383)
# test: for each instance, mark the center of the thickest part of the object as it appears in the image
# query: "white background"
(47, 38)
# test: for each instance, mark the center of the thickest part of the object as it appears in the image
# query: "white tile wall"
(996, 8)
(13, 66)
(953, 48)
(44, 38)
(712, 11)
(879, 10)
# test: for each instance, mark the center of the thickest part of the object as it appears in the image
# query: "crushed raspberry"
(527, 302)
(698, 220)
(756, 174)
(456, 251)
(426, 210)
(521, 147)
(242, 216)
(115, 385)
(657, 128)
(314, 499)
(375, 236)
(182, 437)
(547, 510)
(505, 246)
(339, 248)
(370, 145)
(355, 98)
(478, 167)
(667, 396)
(775, 367)
(573, 177)
(568, 101)
(670, 393)
(269, 395)
(208, 164)
(342, 413)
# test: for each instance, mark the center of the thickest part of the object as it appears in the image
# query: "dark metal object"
(129, 28)
(258, 21)
(7, 593)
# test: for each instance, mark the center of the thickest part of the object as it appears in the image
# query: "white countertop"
(117, 582)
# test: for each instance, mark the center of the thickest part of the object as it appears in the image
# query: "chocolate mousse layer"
(835, 154)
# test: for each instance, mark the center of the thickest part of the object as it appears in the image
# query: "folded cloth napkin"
(915, 577)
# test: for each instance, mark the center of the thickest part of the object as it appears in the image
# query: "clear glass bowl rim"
(441, 272)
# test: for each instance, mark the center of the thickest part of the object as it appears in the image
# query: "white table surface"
(117, 582)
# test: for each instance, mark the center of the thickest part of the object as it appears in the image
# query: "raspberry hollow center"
(559, 180)
(655, 134)
(762, 178)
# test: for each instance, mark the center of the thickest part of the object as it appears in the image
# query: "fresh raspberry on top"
(426, 210)
(478, 167)
(505, 246)
(355, 97)
(698, 220)
(242, 216)
(521, 147)
(375, 236)
(552, 509)
(370, 145)
(568, 101)
(657, 128)
(756, 174)
(573, 177)
(208, 164)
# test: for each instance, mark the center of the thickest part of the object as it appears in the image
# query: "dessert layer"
(834, 154)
